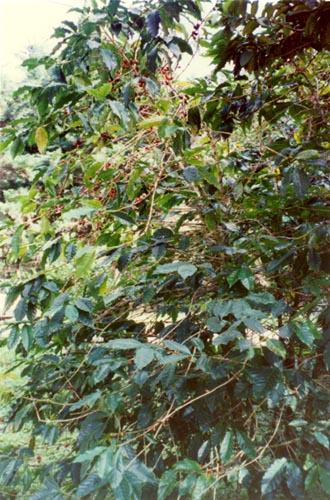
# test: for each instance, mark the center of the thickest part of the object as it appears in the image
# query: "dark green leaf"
(273, 476)
(227, 447)
(324, 475)
(307, 332)
(91, 483)
(109, 59)
(295, 481)
(143, 357)
(153, 22)
(167, 483)
(187, 465)
(246, 445)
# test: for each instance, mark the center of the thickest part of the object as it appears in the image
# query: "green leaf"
(41, 138)
(101, 372)
(71, 313)
(76, 213)
(101, 92)
(84, 262)
(191, 174)
(57, 304)
(273, 476)
(307, 332)
(184, 269)
(16, 240)
(300, 182)
(298, 423)
(244, 275)
(89, 455)
(245, 57)
(20, 310)
(187, 465)
(84, 304)
(309, 154)
(91, 483)
(27, 337)
(143, 357)
(124, 489)
(176, 346)
(167, 483)
(311, 478)
(119, 110)
(13, 337)
(153, 22)
(89, 401)
(187, 270)
(153, 121)
(17, 147)
(109, 59)
(295, 481)
(253, 324)
(277, 347)
(227, 447)
(173, 358)
(201, 485)
(5, 143)
(123, 217)
(322, 439)
(167, 268)
(70, 251)
(215, 325)
(104, 464)
(324, 475)
(123, 344)
(245, 443)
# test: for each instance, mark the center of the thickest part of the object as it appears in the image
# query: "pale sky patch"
(25, 23)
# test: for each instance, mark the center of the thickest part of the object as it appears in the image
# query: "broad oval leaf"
(273, 476)
(41, 138)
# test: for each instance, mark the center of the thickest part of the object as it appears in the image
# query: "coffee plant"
(172, 311)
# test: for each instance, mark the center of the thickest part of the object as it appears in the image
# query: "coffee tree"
(172, 314)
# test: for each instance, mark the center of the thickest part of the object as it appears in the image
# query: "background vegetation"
(172, 315)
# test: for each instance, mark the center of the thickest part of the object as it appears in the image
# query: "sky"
(28, 22)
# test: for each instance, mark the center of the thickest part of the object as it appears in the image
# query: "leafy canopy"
(172, 311)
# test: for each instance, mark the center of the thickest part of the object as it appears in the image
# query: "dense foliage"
(175, 315)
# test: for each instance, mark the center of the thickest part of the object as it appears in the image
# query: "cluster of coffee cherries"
(194, 33)
(165, 71)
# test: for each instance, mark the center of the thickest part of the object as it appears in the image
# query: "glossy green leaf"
(307, 332)
(27, 337)
(227, 447)
(167, 483)
(88, 485)
(273, 476)
(84, 262)
(324, 478)
(246, 444)
(187, 465)
(176, 346)
(143, 357)
(277, 347)
(89, 401)
(71, 313)
(322, 438)
(295, 480)
(124, 344)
